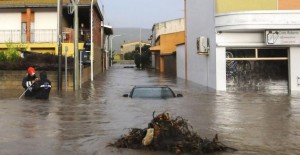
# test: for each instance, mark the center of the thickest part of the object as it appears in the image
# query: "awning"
(155, 48)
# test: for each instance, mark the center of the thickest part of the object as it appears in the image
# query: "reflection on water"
(84, 122)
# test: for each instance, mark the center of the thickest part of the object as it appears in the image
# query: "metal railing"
(40, 36)
(10, 36)
(36, 36)
(43, 36)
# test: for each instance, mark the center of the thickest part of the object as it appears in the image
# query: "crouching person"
(43, 87)
(29, 83)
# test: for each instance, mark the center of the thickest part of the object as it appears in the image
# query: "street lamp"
(111, 50)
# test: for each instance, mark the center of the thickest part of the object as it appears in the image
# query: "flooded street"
(84, 122)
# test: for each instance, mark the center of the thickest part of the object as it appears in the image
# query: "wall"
(12, 22)
(45, 25)
(248, 39)
(180, 61)
(169, 41)
(13, 79)
(166, 27)
(45, 19)
(223, 6)
(294, 72)
(201, 69)
(98, 53)
(220, 68)
(288, 4)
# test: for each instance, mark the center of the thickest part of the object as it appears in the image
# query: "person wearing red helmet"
(29, 81)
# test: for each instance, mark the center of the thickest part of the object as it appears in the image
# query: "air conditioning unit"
(202, 45)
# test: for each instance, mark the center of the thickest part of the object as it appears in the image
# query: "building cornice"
(257, 20)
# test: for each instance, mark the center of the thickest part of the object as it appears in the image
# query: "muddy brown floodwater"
(85, 121)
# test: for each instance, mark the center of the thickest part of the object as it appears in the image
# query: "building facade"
(245, 42)
(165, 36)
(34, 25)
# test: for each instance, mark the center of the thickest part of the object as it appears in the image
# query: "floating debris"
(167, 134)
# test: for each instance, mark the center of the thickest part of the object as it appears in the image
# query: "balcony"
(41, 36)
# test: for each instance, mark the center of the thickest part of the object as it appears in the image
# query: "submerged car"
(152, 91)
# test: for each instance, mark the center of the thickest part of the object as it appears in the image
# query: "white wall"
(10, 27)
(167, 27)
(240, 39)
(45, 25)
(294, 71)
(180, 61)
(200, 22)
(10, 21)
(221, 68)
(45, 19)
(258, 20)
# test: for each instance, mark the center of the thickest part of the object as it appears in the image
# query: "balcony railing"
(41, 36)
(36, 36)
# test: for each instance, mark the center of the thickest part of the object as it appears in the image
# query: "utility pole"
(140, 48)
(111, 50)
(92, 44)
(76, 57)
(59, 40)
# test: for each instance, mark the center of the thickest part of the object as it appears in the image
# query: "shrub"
(11, 54)
(2, 56)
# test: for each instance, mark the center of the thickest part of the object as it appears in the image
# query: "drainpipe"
(185, 37)
(92, 44)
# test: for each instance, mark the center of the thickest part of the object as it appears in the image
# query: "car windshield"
(152, 92)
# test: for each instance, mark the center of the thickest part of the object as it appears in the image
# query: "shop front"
(260, 51)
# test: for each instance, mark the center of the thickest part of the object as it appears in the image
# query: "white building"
(239, 32)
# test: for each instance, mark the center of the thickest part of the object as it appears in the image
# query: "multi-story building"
(258, 35)
(165, 36)
(34, 24)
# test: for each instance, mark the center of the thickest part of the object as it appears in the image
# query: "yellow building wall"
(117, 57)
(225, 6)
(288, 4)
(168, 42)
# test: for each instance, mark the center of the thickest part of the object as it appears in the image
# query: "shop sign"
(282, 37)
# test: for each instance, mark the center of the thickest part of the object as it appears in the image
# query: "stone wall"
(11, 79)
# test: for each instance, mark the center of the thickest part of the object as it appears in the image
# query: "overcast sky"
(140, 13)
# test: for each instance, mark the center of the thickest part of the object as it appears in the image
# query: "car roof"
(150, 86)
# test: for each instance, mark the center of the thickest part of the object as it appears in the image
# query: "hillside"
(129, 35)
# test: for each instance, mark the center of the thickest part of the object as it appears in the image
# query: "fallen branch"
(167, 134)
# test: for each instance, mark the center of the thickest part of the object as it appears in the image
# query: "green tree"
(141, 61)
(129, 56)
(144, 60)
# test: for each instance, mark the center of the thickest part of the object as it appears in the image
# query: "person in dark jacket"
(43, 86)
(29, 82)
